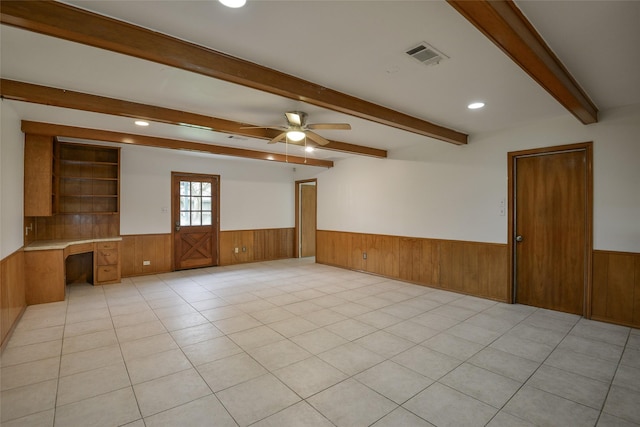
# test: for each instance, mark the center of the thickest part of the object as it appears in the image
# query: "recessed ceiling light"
(233, 3)
(141, 123)
(475, 105)
(309, 149)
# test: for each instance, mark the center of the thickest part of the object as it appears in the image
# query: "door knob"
(518, 238)
(177, 225)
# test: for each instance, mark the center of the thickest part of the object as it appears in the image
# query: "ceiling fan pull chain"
(286, 149)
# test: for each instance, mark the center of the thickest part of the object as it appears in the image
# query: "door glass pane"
(185, 218)
(206, 203)
(185, 186)
(195, 218)
(206, 218)
(195, 203)
(206, 189)
(184, 203)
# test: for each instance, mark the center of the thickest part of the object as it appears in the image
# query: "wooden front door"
(195, 206)
(308, 220)
(551, 232)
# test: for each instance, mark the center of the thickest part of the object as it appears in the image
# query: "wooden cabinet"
(39, 176)
(107, 262)
(46, 267)
(71, 191)
(88, 179)
(44, 276)
(69, 178)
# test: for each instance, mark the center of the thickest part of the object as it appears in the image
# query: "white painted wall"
(11, 181)
(253, 194)
(442, 191)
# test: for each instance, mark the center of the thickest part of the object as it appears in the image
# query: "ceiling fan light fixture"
(141, 123)
(233, 3)
(295, 135)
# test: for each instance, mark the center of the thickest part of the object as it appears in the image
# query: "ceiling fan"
(297, 128)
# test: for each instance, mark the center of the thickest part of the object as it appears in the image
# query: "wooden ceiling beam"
(39, 128)
(81, 26)
(27, 92)
(505, 25)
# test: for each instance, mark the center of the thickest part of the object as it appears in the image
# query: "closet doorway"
(306, 211)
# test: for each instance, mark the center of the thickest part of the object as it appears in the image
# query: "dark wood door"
(195, 208)
(308, 220)
(550, 230)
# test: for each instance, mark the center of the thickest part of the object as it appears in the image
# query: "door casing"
(512, 158)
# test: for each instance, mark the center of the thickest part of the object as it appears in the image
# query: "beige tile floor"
(294, 343)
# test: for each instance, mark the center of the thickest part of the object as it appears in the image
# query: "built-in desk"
(45, 276)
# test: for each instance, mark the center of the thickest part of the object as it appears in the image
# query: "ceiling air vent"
(426, 54)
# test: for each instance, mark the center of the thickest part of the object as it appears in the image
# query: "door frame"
(296, 233)
(511, 178)
(216, 200)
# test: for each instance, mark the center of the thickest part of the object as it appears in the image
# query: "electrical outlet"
(146, 262)
(502, 211)
(364, 255)
(244, 249)
(235, 250)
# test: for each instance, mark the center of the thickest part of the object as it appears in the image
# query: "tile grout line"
(604, 402)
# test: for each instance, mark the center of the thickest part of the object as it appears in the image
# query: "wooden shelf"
(86, 162)
(88, 179)
(86, 196)
(84, 178)
(88, 213)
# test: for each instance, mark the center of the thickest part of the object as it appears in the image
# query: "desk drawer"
(106, 245)
(80, 248)
(107, 273)
(107, 256)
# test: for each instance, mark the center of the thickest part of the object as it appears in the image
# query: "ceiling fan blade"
(278, 138)
(263, 127)
(294, 118)
(341, 126)
(317, 138)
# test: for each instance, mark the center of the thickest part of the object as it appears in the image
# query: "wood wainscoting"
(138, 248)
(473, 268)
(256, 245)
(616, 287)
(259, 245)
(12, 293)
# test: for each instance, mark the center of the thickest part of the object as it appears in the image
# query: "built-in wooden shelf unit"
(87, 179)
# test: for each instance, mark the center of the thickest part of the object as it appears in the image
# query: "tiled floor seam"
(525, 381)
(126, 367)
(541, 364)
(604, 402)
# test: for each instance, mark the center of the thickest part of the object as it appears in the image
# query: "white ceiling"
(355, 47)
